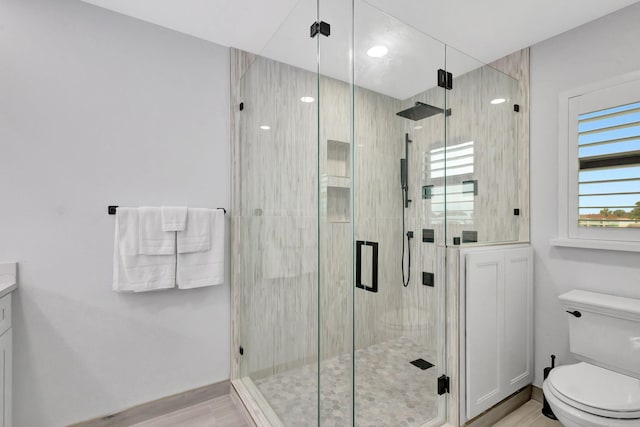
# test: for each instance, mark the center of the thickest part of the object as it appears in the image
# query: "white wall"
(590, 53)
(99, 109)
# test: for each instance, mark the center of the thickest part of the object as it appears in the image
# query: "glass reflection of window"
(459, 160)
(460, 203)
(460, 197)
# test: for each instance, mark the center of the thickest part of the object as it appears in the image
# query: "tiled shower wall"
(375, 177)
(275, 211)
(516, 65)
(493, 131)
(278, 228)
(276, 285)
(497, 164)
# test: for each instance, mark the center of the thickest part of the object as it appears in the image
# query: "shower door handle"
(374, 266)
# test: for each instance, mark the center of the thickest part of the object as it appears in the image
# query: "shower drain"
(422, 364)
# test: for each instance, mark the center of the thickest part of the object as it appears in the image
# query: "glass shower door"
(335, 214)
(381, 228)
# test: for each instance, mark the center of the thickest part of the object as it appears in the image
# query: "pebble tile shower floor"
(390, 391)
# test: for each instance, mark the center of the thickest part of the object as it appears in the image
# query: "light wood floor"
(222, 412)
(528, 415)
(218, 412)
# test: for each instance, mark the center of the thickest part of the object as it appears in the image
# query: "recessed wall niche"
(338, 181)
(338, 158)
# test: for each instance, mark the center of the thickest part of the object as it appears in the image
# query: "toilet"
(603, 389)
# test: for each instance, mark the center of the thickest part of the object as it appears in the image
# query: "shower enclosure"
(353, 173)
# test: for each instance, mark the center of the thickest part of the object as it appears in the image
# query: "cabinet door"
(6, 362)
(518, 330)
(484, 329)
(499, 325)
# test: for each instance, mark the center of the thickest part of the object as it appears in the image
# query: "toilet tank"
(605, 330)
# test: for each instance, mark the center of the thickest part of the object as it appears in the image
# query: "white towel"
(205, 267)
(133, 272)
(196, 236)
(174, 218)
(153, 239)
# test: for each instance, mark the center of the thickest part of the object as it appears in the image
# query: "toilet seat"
(596, 390)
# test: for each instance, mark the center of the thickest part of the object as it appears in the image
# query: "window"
(609, 167)
(600, 165)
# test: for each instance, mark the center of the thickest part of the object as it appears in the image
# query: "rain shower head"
(420, 111)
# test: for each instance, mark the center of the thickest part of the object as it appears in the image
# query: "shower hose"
(405, 283)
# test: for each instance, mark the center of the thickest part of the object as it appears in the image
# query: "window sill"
(607, 245)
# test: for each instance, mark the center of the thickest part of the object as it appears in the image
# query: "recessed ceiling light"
(265, 127)
(307, 99)
(498, 101)
(417, 127)
(377, 51)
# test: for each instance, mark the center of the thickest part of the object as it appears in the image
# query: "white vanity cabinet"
(6, 364)
(7, 285)
(498, 337)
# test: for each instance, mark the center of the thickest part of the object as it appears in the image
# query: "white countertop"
(7, 278)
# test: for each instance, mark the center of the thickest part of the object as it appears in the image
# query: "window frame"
(572, 103)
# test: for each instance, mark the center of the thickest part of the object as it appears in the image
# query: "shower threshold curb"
(252, 403)
(255, 405)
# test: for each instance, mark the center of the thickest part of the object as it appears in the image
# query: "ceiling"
(413, 30)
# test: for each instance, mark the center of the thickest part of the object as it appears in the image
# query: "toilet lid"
(597, 390)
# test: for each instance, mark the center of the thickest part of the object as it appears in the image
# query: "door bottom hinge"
(443, 384)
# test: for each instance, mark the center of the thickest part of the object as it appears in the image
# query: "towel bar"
(111, 210)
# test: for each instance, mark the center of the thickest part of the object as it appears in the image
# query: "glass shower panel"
(481, 155)
(399, 323)
(277, 222)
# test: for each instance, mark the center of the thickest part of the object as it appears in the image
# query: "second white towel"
(174, 218)
(201, 249)
(153, 239)
(196, 236)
